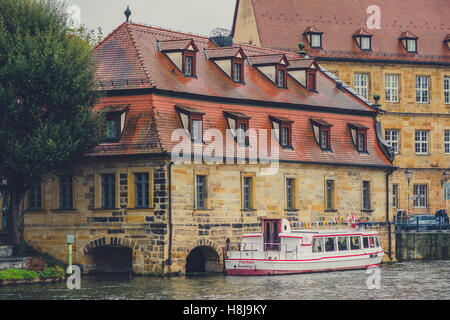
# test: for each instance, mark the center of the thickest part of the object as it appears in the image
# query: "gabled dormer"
(447, 40)
(283, 130)
(304, 71)
(314, 37)
(358, 133)
(238, 123)
(182, 53)
(364, 39)
(322, 133)
(273, 66)
(115, 122)
(230, 60)
(409, 41)
(192, 122)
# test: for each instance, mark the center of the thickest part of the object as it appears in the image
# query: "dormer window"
(115, 122)
(322, 133)
(188, 65)
(281, 78)
(314, 37)
(447, 40)
(230, 60)
(283, 130)
(182, 54)
(364, 39)
(237, 72)
(359, 136)
(192, 122)
(273, 66)
(409, 41)
(239, 125)
(304, 71)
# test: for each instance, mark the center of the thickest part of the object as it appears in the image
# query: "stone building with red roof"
(399, 50)
(294, 143)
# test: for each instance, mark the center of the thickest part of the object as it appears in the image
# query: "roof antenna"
(128, 13)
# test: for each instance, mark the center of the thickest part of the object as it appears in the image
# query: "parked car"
(421, 222)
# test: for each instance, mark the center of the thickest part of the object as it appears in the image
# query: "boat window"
(317, 245)
(329, 244)
(372, 242)
(342, 243)
(366, 242)
(377, 244)
(355, 243)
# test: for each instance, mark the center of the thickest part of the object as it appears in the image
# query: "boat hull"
(255, 267)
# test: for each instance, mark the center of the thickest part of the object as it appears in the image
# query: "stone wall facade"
(422, 245)
(407, 116)
(161, 242)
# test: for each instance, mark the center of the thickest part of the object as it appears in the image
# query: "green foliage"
(47, 79)
(47, 94)
(17, 274)
(52, 273)
(36, 264)
(49, 260)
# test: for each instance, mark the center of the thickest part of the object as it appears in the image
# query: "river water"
(405, 281)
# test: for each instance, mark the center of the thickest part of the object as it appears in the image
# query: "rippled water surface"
(406, 280)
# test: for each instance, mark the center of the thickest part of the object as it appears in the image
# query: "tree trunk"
(15, 218)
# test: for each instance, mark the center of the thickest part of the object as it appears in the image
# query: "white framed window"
(316, 40)
(365, 43)
(391, 137)
(422, 89)
(421, 141)
(197, 131)
(447, 141)
(188, 65)
(420, 195)
(361, 84)
(447, 90)
(411, 45)
(391, 87)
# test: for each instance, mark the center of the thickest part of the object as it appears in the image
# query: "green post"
(70, 241)
(69, 259)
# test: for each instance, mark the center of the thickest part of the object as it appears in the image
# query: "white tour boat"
(279, 250)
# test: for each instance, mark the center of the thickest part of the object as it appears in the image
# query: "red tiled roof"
(174, 45)
(312, 29)
(218, 53)
(321, 122)
(237, 114)
(267, 59)
(300, 64)
(305, 148)
(131, 51)
(361, 32)
(408, 34)
(280, 25)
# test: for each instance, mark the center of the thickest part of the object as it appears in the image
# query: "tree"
(47, 92)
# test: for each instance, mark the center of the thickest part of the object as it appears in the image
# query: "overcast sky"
(194, 16)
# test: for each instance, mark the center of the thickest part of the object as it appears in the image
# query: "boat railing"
(266, 251)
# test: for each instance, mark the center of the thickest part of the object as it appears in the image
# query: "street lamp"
(408, 175)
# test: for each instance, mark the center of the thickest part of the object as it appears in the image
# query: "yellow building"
(377, 47)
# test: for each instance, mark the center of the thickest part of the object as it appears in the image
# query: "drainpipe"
(388, 173)
(169, 170)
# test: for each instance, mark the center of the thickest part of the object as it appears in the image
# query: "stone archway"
(112, 254)
(204, 257)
